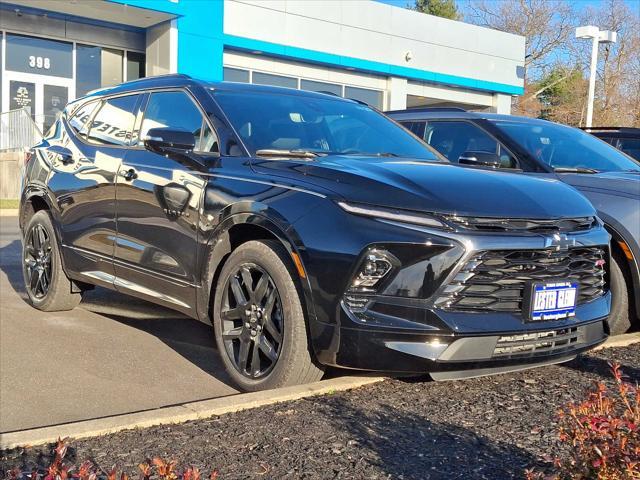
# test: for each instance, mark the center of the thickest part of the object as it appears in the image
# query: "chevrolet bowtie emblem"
(560, 242)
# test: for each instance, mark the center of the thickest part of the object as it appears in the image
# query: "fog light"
(374, 267)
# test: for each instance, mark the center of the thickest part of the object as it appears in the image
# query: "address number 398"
(39, 62)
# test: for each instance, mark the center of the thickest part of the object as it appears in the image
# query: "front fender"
(219, 246)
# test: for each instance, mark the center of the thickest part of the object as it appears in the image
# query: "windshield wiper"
(287, 153)
(575, 170)
(369, 154)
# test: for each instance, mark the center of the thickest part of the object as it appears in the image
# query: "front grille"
(529, 344)
(495, 280)
(519, 225)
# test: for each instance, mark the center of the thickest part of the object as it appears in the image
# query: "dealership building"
(53, 51)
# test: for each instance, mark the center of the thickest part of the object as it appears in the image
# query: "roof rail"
(429, 109)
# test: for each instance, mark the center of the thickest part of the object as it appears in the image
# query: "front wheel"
(619, 319)
(259, 321)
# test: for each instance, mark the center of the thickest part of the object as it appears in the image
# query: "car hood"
(617, 183)
(433, 187)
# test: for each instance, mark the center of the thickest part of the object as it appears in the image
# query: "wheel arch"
(33, 200)
(621, 250)
(232, 232)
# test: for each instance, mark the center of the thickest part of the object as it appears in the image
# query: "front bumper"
(415, 335)
(509, 345)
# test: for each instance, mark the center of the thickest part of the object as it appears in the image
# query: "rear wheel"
(619, 320)
(47, 285)
(259, 321)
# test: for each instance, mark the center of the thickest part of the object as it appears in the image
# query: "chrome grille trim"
(521, 225)
(495, 280)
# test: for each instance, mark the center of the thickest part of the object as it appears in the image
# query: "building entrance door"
(44, 96)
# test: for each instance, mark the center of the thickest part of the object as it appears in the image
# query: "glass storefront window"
(87, 69)
(235, 75)
(55, 99)
(370, 97)
(112, 67)
(39, 55)
(97, 67)
(275, 80)
(135, 65)
(325, 87)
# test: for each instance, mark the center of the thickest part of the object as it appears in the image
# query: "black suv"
(607, 177)
(310, 230)
(623, 138)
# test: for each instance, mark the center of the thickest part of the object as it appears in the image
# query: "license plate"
(553, 300)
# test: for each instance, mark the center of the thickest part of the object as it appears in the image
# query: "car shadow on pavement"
(10, 256)
(411, 446)
(190, 338)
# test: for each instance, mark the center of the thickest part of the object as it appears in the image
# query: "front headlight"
(403, 216)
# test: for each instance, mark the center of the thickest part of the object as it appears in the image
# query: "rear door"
(158, 202)
(84, 185)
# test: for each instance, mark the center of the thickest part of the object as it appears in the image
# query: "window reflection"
(113, 123)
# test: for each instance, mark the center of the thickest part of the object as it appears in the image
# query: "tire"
(260, 330)
(619, 320)
(47, 286)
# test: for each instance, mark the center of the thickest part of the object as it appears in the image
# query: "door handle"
(129, 175)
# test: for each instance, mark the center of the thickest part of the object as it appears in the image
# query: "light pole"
(598, 36)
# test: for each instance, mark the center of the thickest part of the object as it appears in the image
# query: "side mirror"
(480, 159)
(168, 141)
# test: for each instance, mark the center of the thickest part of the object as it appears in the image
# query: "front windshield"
(285, 122)
(563, 147)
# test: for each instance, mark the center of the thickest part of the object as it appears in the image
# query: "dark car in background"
(310, 230)
(625, 139)
(606, 176)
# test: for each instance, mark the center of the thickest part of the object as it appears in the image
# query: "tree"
(439, 8)
(547, 26)
(561, 95)
(618, 73)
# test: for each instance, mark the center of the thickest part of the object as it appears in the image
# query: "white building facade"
(393, 58)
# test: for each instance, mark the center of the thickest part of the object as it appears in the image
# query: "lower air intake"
(529, 344)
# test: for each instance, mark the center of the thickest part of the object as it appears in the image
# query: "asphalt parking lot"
(113, 354)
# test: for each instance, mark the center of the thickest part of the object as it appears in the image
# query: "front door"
(158, 200)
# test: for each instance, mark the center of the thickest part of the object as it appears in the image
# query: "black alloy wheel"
(252, 321)
(37, 261)
(259, 320)
(48, 287)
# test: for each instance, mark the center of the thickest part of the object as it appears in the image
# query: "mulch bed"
(486, 428)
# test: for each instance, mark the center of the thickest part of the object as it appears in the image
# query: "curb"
(620, 341)
(181, 413)
(8, 212)
(211, 408)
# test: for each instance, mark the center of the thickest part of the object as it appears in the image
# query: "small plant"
(603, 433)
(158, 469)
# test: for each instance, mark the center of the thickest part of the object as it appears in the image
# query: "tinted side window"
(79, 122)
(417, 128)
(113, 123)
(453, 138)
(630, 146)
(173, 110)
